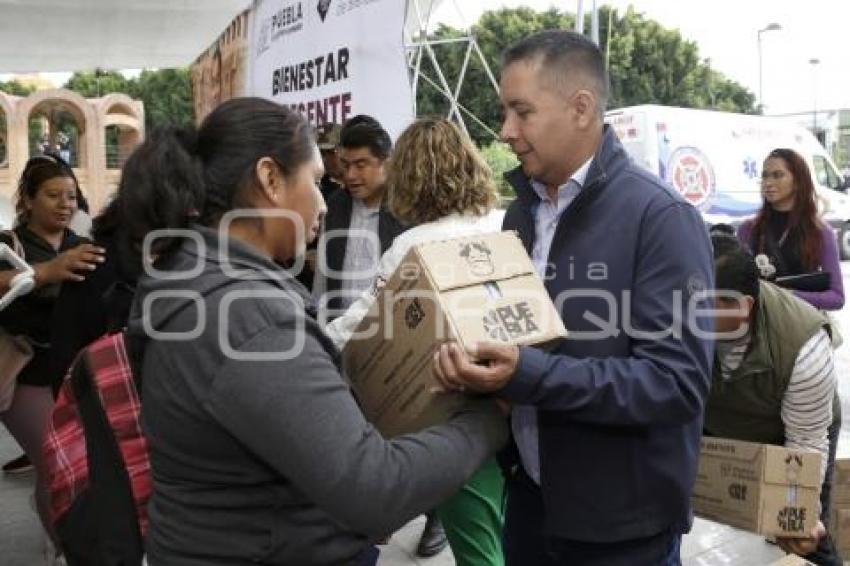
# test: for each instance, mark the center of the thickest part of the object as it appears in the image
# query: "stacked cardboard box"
(762, 488)
(792, 560)
(839, 513)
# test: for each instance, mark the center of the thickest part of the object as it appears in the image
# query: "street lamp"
(814, 62)
(770, 27)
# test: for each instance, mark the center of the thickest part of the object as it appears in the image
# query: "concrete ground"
(709, 543)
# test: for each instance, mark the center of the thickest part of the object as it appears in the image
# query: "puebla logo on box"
(510, 322)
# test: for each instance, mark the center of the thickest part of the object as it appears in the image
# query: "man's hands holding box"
(487, 369)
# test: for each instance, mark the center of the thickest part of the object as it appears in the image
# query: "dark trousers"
(826, 554)
(525, 544)
(369, 557)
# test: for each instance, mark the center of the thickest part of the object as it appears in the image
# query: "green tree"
(501, 159)
(648, 64)
(15, 88)
(167, 96)
(166, 93)
(98, 83)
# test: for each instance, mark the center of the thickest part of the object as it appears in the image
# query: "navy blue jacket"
(620, 413)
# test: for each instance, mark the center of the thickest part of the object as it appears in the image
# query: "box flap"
(792, 467)
(730, 449)
(515, 311)
(460, 262)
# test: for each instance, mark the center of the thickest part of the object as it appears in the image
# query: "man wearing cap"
(327, 138)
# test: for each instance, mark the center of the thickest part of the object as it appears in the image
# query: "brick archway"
(92, 116)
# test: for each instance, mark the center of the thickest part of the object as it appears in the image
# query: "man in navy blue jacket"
(606, 425)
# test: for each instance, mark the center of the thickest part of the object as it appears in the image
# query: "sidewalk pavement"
(22, 541)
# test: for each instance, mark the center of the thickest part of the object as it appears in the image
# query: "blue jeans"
(525, 545)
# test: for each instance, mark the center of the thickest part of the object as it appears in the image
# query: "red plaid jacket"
(65, 443)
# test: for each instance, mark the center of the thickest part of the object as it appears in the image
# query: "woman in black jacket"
(46, 202)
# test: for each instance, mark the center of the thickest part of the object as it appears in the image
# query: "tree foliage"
(166, 93)
(98, 83)
(648, 64)
(16, 88)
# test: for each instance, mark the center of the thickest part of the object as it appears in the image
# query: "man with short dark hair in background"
(357, 227)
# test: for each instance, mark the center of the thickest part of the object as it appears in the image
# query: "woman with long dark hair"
(789, 232)
(259, 451)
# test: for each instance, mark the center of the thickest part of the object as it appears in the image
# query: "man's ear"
(584, 103)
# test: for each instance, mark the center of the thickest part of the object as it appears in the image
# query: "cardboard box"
(840, 495)
(481, 288)
(792, 560)
(762, 488)
(839, 529)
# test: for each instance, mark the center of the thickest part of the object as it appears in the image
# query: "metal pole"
(608, 42)
(814, 63)
(580, 17)
(769, 27)
(761, 92)
(594, 24)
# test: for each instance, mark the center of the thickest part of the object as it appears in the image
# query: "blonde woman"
(439, 185)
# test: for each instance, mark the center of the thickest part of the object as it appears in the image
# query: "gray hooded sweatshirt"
(260, 456)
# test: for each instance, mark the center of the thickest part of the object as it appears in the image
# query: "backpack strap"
(119, 535)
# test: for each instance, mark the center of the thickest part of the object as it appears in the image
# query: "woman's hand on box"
(803, 546)
(489, 367)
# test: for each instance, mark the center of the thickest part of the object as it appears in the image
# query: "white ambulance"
(714, 160)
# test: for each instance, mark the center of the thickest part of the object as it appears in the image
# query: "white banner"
(333, 59)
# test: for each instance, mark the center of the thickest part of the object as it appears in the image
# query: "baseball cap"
(327, 136)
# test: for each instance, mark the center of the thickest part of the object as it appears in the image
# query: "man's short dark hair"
(734, 266)
(561, 53)
(365, 131)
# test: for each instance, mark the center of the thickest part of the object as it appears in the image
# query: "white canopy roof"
(69, 35)
(74, 35)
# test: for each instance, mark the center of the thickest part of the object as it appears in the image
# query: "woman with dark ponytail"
(259, 451)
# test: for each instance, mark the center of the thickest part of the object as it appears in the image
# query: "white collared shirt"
(546, 218)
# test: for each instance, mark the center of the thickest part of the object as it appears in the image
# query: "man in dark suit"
(358, 228)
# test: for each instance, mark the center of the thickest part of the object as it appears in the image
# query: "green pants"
(473, 519)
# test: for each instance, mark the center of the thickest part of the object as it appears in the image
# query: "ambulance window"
(833, 178)
(825, 174)
(820, 170)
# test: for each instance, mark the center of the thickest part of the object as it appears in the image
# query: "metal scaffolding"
(420, 46)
